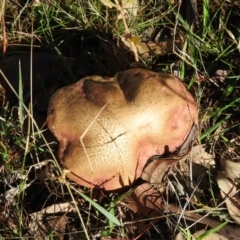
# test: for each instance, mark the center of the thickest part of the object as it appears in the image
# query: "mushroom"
(108, 128)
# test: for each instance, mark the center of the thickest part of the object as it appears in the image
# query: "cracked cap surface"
(108, 128)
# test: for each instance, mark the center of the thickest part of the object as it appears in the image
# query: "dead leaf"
(57, 225)
(155, 170)
(45, 221)
(179, 236)
(199, 155)
(200, 161)
(108, 3)
(135, 39)
(232, 169)
(199, 173)
(213, 236)
(229, 231)
(145, 201)
(51, 226)
(230, 194)
(53, 209)
(129, 3)
(130, 7)
(150, 49)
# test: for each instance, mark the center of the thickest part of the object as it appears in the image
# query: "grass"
(90, 32)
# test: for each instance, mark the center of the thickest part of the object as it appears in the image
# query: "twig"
(4, 29)
(134, 49)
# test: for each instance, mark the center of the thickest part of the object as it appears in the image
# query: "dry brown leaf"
(53, 209)
(150, 49)
(154, 171)
(199, 155)
(213, 236)
(54, 226)
(232, 169)
(108, 3)
(229, 231)
(40, 227)
(200, 162)
(199, 172)
(230, 194)
(130, 8)
(179, 236)
(145, 201)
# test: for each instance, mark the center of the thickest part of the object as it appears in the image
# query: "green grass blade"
(205, 16)
(213, 230)
(20, 94)
(109, 215)
(112, 211)
(214, 127)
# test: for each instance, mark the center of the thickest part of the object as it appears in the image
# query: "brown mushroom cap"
(122, 122)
